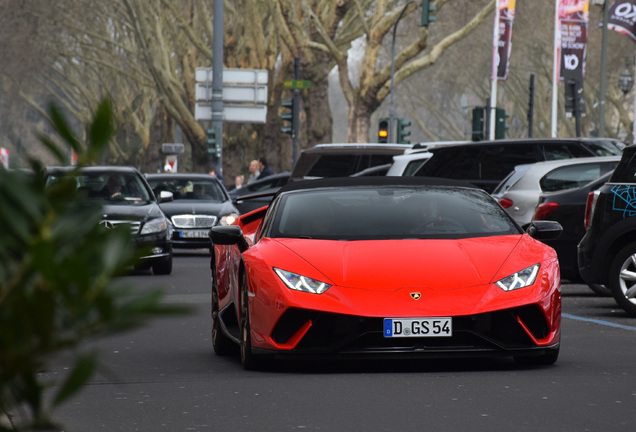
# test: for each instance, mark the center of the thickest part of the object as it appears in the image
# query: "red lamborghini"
(385, 266)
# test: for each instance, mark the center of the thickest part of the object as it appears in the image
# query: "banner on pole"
(622, 18)
(504, 45)
(573, 21)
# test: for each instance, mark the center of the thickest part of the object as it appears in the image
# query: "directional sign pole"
(295, 112)
(217, 81)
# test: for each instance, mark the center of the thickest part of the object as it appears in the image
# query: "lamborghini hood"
(392, 264)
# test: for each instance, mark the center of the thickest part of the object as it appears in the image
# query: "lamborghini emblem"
(416, 295)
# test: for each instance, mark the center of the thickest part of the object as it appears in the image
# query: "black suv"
(486, 163)
(607, 253)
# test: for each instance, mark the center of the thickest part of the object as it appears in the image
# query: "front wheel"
(220, 342)
(163, 267)
(622, 278)
(248, 359)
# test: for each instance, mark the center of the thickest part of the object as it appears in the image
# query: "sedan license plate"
(418, 327)
(194, 234)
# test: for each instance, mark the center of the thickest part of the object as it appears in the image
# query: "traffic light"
(427, 8)
(500, 123)
(288, 117)
(213, 142)
(478, 123)
(383, 130)
(402, 131)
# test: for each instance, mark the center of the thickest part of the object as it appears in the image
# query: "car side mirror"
(229, 235)
(165, 196)
(544, 230)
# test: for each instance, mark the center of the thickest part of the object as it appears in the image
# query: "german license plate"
(194, 234)
(418, 327)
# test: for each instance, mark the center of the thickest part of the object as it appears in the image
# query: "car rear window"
(343, 165)
(569, 177)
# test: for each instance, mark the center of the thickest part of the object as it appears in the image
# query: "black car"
(258, 193)
(568, 208)
(607, 252)
(486, 163)
(199, 202)
(128, 199)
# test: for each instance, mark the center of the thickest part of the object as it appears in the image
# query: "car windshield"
(114, 187)
(189, 188)
(396, 212)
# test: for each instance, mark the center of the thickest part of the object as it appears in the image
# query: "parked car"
(607, 252)
(519, 192)
(568, 208)
(384, 266)
(486, 163)
(128, 199)
(343, 160)
(408, 163)
(258, 193)
(199, 202)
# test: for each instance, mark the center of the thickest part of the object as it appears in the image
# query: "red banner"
(504, 46)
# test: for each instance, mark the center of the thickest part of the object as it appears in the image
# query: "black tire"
(221, 344)
(600, 290)
(549, 358)
(622, 278)
(248, 359)
(163, 267)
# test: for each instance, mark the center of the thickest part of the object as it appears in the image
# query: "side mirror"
(545, 230)
(165, 196)
(229, 235)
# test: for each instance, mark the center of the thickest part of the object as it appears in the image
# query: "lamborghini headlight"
(228, 219)
(155, 226)
(521, 279)
(301, 283)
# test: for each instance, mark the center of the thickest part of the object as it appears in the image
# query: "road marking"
(601, 322)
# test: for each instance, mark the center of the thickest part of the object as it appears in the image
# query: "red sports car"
(385, 266)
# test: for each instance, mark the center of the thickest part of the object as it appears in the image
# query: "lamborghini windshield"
(389, 212)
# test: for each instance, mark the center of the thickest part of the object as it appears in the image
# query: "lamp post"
(391, 108)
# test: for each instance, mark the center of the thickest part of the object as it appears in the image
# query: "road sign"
(234, 93)
(240, 113)
(234, 76)
(244, 95)
(297, 84)
(172, 148)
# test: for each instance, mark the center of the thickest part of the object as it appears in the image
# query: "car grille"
(193, 221)
(109, 224)
(493, 331)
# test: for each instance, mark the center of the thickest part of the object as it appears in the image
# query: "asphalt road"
(165, 377)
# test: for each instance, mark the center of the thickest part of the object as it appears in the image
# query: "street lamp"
(391, 106)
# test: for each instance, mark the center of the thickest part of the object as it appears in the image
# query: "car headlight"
(520, 279)
(228, 219)
(155, 226)
(301, 283)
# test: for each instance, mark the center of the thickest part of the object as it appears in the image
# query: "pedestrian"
(213, 173)
(265, 170)
(254, 172)
(238, 182)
